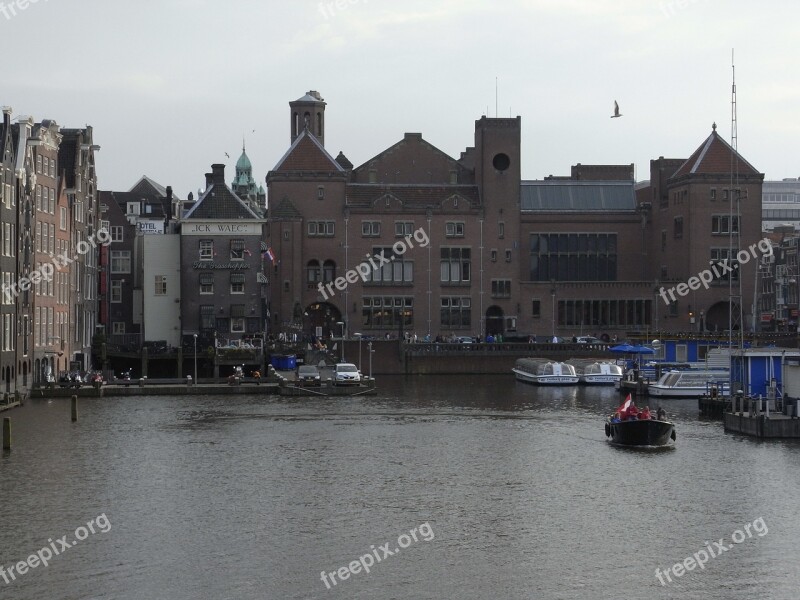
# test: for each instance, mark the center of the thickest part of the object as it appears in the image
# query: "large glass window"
(207, 316)
(237, 249)
(206, 249)
(397, 271)
(573, 257)
(605, 313)
(455, 265)
(120, 261)
(387, 312)
(456, 312)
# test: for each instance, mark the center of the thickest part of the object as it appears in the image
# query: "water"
(240, 497)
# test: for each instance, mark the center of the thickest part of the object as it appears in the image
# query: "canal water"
(511, 492)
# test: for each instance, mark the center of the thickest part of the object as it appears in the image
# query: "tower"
(308, 112)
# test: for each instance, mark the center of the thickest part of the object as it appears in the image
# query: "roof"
(147, 186)
(285, 210)
(154, 200)
(411, 195)
(307, 154)
(243, 164)
(219, 202)
(577, 196)
(715, 157)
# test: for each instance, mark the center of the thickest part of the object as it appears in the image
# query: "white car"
(587, 339)
(346, 374)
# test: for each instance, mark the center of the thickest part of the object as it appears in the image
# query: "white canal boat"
(594, 372)
(690, 384)
(542, 371)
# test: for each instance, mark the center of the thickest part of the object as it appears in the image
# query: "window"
(501, 288)
(501, 230)
(52, 201)
(116, 291)
(286, 234)
(117, 233)
(536, 309)
(206, 283)
(604, 313)
(370, 228)
(387, 312)
(398, 271)
(79, 211)
(727, 257)
(677, 228)
(161, 285)
(722, 224)
(237, 318)
(321, 228)
(456, 312)
(38, 236)
(724, 194)
(39, 163)
(713, 193)
(207, 316)
(328, 271)
(403, 228)
(454, 229)
(206, 249)
(493, 255)
(663, 240)
(52, 167)
(455, 265)
(237, 249)
(573, 257)
(120, 261)
(39, 198)
(320, 193)
(314, 273)
(237, 283)
(118, 328)
(62, 218)
(508, 255)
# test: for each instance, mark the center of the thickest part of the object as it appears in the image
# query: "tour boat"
(545, 372)
(690, 384)
(599, 373)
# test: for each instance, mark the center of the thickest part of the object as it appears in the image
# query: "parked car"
(346, 374)
(308, 375)
(465, 339)
(587, 339)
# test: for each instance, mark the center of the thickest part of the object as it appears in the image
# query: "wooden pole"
(74, 408)
(6, 433)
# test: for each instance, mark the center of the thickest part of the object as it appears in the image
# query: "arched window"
(314, 273)
(329, 271)
(296, 124)
(307, 120)
(319, 124)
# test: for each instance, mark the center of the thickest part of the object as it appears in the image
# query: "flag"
(622, 410)
(247, 251)
(268, 253)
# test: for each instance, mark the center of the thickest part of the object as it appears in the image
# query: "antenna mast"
(735, 278)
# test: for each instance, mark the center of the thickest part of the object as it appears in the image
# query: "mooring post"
(74, 408)
(6, 433)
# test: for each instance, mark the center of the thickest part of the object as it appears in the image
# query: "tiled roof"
(714, 157)
(146, 186)
(219, 202)
(307, 154)
(577, 196)
(424, 196)
(157, 202)
(285, 210)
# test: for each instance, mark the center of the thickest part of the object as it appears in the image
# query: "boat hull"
(647, 432)
(545, 379)
(600, 379)
(687, 392)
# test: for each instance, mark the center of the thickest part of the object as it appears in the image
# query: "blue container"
(284, 362)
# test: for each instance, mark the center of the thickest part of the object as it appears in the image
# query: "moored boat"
(542, 371)
(597, 372)
(690, 384)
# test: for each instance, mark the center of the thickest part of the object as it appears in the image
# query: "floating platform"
(774, 426)
(290, 388)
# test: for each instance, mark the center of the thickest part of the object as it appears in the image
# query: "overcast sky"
(170, 86)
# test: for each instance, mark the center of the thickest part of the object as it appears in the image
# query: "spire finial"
(714, 126)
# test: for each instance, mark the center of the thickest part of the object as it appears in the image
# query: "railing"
(509, 348)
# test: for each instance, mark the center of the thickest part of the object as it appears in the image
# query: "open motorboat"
(690, 384)
(542, 371)
(627, 428)
(597, 372)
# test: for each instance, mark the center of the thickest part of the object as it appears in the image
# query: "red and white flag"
(625, 405)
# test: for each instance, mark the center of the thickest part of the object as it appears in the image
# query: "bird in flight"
(228, 155)
(616, 111)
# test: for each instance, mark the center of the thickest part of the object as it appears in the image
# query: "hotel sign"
(221, 228)
(233, 266)
(150, 227)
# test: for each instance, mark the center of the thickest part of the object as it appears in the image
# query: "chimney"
(218, 174)
(209, 180)
(169, 193)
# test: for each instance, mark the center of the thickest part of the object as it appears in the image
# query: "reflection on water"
(245, 497)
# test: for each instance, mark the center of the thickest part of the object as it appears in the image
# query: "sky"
(171, 86)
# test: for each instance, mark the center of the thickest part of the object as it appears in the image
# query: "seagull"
(228, 155)
(616, 111)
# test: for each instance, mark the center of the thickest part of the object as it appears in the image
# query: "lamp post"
(553, 302)
(342, 338)
(195, 359)
(358, 335)
(369, 347)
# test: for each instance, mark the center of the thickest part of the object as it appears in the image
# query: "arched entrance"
(494, 321)
(717, 317)
(322, 315)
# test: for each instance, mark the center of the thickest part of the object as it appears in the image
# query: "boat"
(542, 371)
(592, 372)
(690, 384)
(627, 429)
(645, 432)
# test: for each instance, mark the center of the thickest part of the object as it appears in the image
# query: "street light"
(342, 338)
(358, 335)
(553, 302)
(369, 347)
(195, 359)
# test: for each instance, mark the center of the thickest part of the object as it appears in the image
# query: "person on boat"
(661, 414)
(645, 414)
(616, 418)
(633, 413)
